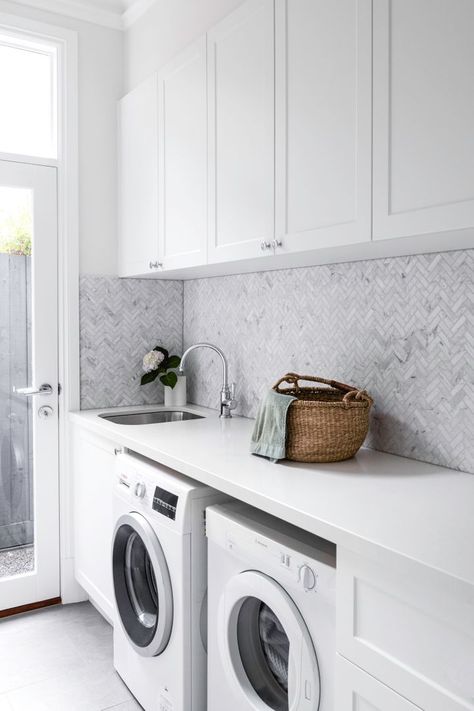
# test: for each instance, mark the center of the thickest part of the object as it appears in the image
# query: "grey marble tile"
(401, 328)
(120, 320)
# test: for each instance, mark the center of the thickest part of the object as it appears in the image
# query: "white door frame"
(67, 166)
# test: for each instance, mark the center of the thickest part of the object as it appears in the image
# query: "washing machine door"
(266, 647)
(142, 585)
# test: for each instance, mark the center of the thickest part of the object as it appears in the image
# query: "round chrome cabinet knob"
(140, 490)
(307, 577)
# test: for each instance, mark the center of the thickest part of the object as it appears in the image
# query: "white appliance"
(160, 580)
(272, 631)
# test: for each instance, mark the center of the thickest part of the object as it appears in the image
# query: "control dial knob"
(140, 490)
(307, 577)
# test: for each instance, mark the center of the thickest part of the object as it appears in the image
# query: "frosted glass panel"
(28, 100)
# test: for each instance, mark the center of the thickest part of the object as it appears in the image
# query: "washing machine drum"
(266, 645)
(142, 585)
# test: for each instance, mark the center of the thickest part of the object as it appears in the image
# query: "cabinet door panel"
(357, 691)
(183, 159)
(138, 179)
(323, 122)
(94, 463)
(241, 132)
(423, 116)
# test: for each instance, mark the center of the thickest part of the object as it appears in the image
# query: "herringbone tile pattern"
(120, 320)
(401, 328)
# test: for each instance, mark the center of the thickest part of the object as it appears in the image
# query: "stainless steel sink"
(149, 418)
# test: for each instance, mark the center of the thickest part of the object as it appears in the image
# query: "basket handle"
(351, 393)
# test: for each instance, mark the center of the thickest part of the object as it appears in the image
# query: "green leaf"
(173, 362)
(149, 377)
(162, 350)
(170, 379)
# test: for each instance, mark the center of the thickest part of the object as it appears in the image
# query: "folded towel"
(269, 434)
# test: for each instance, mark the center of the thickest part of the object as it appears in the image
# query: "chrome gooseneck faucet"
(228, 401)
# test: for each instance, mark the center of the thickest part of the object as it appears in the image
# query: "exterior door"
(142, 585)
(29, 515)
(265, 646)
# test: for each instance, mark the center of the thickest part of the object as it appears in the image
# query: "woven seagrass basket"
(324, 424)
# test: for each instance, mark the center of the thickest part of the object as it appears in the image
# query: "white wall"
(167, 27)
(100, 85)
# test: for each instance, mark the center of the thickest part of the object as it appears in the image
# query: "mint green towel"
(269, 434)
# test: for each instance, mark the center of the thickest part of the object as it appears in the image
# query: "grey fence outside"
(16, 466)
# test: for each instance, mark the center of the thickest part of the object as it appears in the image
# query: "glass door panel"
(29, 529)
(16, 455)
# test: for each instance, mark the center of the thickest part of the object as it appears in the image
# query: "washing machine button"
(307, 577)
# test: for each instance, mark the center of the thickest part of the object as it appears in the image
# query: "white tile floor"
(60, 659)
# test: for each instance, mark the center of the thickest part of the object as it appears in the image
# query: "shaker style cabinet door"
(358, 691)
(138, 180)
(323, 123)
(94, 477)
(423, 117)
(241, 133)
(182, 120)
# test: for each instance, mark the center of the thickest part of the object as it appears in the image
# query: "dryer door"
(142, 585)
(266, 647)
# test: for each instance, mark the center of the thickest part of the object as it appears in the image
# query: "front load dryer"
(271, 632)
(159, 560)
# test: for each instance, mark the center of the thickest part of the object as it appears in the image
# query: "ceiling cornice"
(117, 14)
(134, 10)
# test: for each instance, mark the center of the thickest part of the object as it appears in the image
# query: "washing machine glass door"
(266, 646)
(142, 585)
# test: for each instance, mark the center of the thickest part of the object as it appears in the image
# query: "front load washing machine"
(160, 580)
(271, 631)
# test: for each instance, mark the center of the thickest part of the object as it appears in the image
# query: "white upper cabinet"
(241, 132)
(182, 120)
(138, 180)
(423, 116)
(323, 123)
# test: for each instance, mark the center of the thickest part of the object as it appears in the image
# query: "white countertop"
(418, 510)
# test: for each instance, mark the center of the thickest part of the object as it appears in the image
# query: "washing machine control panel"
(165, 502)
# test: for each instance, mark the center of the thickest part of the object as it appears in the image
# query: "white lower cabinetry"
(409, 626)
(358, 691)
(94, 461)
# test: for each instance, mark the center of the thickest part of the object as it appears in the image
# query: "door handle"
(44, 389)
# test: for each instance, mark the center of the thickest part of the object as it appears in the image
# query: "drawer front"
(410, 627)
(358, 691)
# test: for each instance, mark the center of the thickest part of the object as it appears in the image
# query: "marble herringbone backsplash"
(401, 328)
(120, 320)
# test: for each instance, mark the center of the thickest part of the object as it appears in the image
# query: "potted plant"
(158, 363)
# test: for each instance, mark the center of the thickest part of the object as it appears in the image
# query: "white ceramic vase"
(176, 397)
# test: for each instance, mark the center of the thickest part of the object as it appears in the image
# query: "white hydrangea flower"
(152, 360)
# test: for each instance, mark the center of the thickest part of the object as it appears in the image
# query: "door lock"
(45, 412)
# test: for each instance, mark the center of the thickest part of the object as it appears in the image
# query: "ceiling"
(118, 14)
